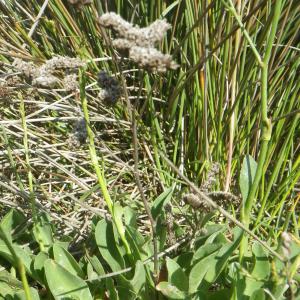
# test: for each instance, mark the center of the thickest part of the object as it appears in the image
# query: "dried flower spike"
(43, 75)
(70, 82)
(152, 59)
(140, 42)
(196, 202)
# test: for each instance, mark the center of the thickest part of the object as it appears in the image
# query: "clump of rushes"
(110, 88)
(140, 42)
(44, 75)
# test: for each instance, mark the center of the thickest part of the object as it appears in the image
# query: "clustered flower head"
(110, 89)
(140, 42)
(196, 202)
(222, 199)
(44, 75)
(70, 82)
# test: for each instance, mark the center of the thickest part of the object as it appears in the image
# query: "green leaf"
(262, 267)
(220, 260)
(211, 232)
(42, 231)
(96, 265)
(252, 285)
(161, 231)
(64, 284)
(105, 239)
(247, 174)
(205, 250)
(11, 221)
(118, 217)
(199, 270)
(125, 288)
(91, 274)
(66, 260)
(139, 279)
(11, 288)
(38, 266)
(20, 295)
(184, 260)
(258, 295)
(130, 217)
(11, 281)
(176, 275)
(5, 290)
(22, 254)
(136, 242)
(161, 201)
(170, 291)
(209, 268)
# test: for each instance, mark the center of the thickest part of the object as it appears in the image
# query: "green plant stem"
(26, 148)
(95, 163)
(134, 120)
(233, 100)
(265, 123)
(232, 10)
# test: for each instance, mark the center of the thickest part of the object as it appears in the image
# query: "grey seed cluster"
(110, 89)
(70, 82)
(45, 80)
(196, 202)
(62, 62)
(150, 58)
(143, 37)
(79, 134)
(27, 68)
(140, 42)
(222, 199)
(43, 75)
(225, 199)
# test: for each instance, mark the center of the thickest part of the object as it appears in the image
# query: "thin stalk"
(95, 163)
(36, 227)
(26, 150)
(232, 10)
(265, 121)
(132, 117)
(233, 99)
